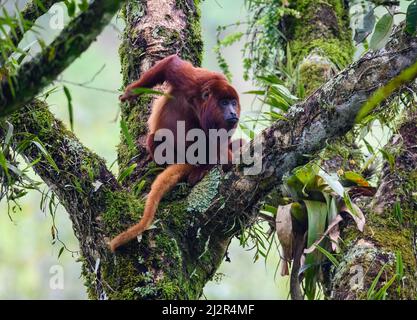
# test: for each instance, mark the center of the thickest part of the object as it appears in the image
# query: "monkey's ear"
(205, 95)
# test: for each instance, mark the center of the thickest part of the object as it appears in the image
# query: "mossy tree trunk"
(320, 40)
(389, 238)
(177, 258)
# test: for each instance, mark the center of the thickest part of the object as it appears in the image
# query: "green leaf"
(399, 265)
(14, 170)
(307, 173)
(127, 172)
(269, 210)
(71, 7)
(46, 154)
(382, 32)
(83, 5)
(276, 116)
(411, 18)
(147, 91)
(256, 92)
(70, 108)
(231, 39)
(333, 209)
(389, 157)
(3, 163)
(371, 290)
(398, 213)
(302, 178)
(382, 293)
(369, 146)
(9, 133)
(356, 178)
(384, 92)
(22, 57)
(298, 212)
(328, 255)
(283, 92)
(127, 135)
(40, 5)
(34, 162)
(317, 214)
(247, 131)
(19, 195)
(355, 212)
(271, 79)
(333, 182)
(61, 251)
(139, 186)
(49, 92)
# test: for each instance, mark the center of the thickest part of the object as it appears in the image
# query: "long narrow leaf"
(46, 154)
(70, 108)
(127, 134)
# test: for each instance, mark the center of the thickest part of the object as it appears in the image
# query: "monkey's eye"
(234, 103)
(224, 103)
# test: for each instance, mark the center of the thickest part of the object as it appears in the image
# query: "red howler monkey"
(203, 100)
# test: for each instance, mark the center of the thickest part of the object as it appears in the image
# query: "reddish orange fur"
(196, 93)
(162, 184)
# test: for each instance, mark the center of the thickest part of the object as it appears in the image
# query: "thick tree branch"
(34, 75)
(83, 184)
(79, 175)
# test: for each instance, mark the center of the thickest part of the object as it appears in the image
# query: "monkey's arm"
(171, 69)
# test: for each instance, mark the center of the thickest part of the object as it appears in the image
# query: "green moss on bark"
(193, 51)
(326, 27)
(323, 30)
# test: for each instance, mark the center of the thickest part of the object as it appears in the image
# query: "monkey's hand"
(127, 96)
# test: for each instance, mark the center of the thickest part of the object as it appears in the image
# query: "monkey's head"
(220, 106)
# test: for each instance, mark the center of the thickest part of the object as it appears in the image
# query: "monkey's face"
(230, 111)
(221, 107)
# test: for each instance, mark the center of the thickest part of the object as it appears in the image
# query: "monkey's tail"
(163, 183)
